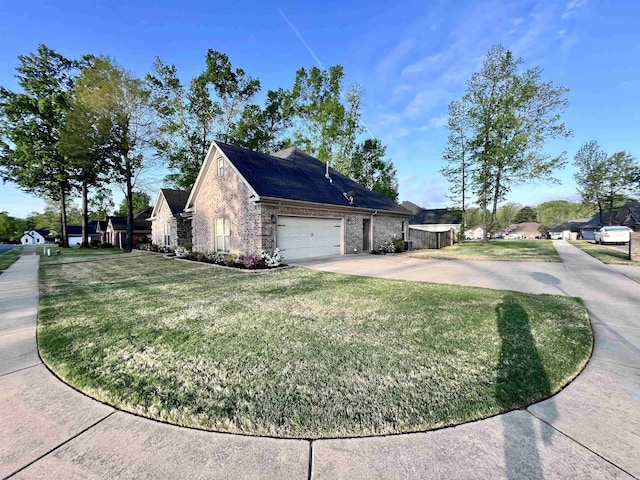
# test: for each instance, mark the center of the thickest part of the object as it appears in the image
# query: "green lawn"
(506, 250)
(9, 257)
(90, 252)
(603, 253)
(299, 353)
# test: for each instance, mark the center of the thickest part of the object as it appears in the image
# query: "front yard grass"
(505, 250)
(603, 253)
(9, 257)
(298, 353)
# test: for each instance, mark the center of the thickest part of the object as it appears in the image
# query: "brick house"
(244, 201)
(168, 226)
(116, 231)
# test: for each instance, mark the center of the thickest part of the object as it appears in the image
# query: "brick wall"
(163, 216)
(226, 196)
(386, 227)
(634, 247)
(180, 228)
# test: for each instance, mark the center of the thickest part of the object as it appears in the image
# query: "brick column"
(634, 247)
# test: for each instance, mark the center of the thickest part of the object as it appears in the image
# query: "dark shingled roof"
(432, 216)
(77, 229)
(291, 174)
(140, 221)
(176, 199)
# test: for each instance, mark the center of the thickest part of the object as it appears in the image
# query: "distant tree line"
(78, 126)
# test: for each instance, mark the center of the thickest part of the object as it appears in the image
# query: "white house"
(475, 233)
(34, 237)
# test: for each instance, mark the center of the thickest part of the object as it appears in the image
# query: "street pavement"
(591, 429)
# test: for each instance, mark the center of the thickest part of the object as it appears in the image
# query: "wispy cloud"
(438, 122)
(571, 9)
(389, 63)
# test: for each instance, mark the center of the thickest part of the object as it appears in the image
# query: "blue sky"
(412, 58)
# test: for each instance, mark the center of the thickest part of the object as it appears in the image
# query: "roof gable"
(176, 200)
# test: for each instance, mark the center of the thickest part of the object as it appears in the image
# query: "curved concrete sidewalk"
(589, 430)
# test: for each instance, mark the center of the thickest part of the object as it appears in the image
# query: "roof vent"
(349, 197)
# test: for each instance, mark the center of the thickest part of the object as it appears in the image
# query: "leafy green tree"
(327, 126)
(526, 214)
(234, 89)
(50, 217)
(507, 212)
(12, 228)
(121, 103)
(457, 155)
(190, 118)
(474, 217)
(30, 124)
(369, 168)
(263, 130)
(100, 204)
(141, 200)
(555, 212)
(591, 162)
(87, 142)
(621, 173)
(509, 115)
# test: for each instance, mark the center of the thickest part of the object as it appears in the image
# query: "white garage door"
(305, 237)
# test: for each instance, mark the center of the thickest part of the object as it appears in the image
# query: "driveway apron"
(589, 430)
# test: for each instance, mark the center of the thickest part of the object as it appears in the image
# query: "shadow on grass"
(522, 380)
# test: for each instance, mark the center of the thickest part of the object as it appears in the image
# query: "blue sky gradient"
(412, 58)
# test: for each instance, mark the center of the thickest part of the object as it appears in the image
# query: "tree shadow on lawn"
(521, 380)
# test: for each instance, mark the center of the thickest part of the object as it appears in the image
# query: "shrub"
(105, 245)
(272, 259)
(230, 259)
(388, 247)
(398, 244)
(252, 260)
(181, 252)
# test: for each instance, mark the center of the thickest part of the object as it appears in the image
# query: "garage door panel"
(305, 237)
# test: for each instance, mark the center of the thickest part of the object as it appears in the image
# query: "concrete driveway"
(589, 430)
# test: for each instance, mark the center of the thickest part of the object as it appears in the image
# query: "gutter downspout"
(371, 233)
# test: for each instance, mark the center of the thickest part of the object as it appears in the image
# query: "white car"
(613, 235)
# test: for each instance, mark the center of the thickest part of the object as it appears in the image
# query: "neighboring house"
(433, 219)
(244, 201)
(101, 230)
(74, 232)
(168, 226)
(523, 230)
(34, 237)
(629, 217)
(474, 233)
(116, 231)
(570, 230)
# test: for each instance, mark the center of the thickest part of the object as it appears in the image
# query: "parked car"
(555, 235)
(613, 235)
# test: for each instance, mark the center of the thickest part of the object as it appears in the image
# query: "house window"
(223, 234)
(167, 235)
(220, 166)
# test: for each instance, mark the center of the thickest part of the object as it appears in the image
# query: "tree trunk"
(600, 211)
(64, 238)
(129, 240)
(610, 209)
(85, 216)
(496, 196)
